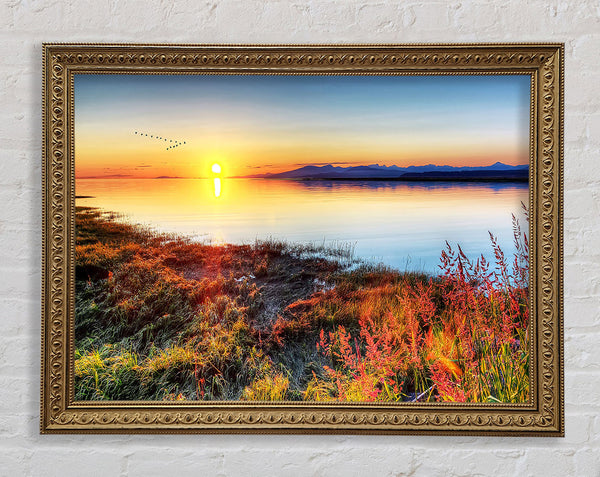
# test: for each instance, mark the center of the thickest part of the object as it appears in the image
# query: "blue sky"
(248, 121)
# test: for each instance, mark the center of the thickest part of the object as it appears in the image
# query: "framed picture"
(316, 239)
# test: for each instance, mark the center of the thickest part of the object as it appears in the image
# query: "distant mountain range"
(429, 172)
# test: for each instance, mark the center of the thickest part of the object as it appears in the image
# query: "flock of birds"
(172, 143)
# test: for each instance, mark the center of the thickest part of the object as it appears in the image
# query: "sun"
(216, 168)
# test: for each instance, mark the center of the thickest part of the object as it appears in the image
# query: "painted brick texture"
(25, 24)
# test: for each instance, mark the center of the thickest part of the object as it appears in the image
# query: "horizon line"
(255, 174)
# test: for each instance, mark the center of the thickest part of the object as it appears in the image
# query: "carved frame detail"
(543, 415)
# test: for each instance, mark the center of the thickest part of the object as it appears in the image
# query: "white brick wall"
(27, 23)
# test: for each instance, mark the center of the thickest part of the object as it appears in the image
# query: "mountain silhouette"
(497, 171)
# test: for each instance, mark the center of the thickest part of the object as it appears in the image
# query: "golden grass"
(160, 317)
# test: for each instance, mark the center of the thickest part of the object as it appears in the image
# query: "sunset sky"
(257, 124)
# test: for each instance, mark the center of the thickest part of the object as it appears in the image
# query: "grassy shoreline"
(159, 317)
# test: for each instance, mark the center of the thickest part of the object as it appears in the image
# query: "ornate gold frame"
(543, 415)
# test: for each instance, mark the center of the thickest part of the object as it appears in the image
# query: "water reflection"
(405, 225)
(414, 185)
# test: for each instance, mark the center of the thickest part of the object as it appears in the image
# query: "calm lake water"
(404, 225)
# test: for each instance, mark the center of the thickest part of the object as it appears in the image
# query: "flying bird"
(173, 142)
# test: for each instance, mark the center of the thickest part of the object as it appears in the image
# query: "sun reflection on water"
(217, 182)
(388, 221)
